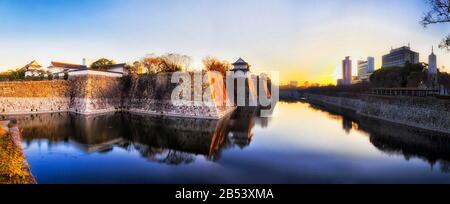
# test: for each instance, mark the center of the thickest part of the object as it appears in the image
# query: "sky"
(305, 40)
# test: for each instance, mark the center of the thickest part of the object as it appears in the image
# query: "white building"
(115, 70)
(347, 71)
(366, 68)
(33, 69)
(59, 68)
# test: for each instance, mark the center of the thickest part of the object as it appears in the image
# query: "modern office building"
(398, 57)
(366, 68)
(346, 71)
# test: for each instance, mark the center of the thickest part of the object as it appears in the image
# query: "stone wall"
(87, 94)
(93, 94)
(21, 105)
(426, 113)
(151, 94)
(28, 89)
(34, 97)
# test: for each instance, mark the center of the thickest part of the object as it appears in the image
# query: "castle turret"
(241, 68)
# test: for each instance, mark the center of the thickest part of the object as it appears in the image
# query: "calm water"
(301, 144)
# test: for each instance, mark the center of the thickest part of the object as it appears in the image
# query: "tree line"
(150, 64)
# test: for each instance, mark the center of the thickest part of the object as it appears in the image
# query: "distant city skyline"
(304, 40)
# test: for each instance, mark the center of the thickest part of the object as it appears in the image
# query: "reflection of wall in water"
(161, 139)
(432, 147)
(88, 131)
(391, 138)
(182, 134)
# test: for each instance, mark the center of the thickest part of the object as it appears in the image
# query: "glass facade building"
(366, 68)
(398, 57)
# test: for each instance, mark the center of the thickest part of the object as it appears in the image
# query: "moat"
(301, 143)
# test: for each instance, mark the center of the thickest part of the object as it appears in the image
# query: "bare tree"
(172, 62)
(439, 13)
(166, 63)
(214, 64)
(151, 64)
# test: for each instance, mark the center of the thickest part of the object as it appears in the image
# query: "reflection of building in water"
(263, 121)
(347, 124)
(241, 126)
(160, 139)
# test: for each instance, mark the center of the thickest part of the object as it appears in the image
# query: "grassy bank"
(13, 166)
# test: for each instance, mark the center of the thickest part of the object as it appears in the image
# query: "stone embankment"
(151, 94)
(93, 94)
(34, 97)
(426, 113)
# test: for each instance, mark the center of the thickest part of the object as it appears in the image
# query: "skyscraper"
(366, 68)
(432, 63)
(398, 57)
(432, 70)
(347, 71)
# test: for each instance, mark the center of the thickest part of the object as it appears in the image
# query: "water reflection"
(159, 139)
(302, 144)
(395, 139)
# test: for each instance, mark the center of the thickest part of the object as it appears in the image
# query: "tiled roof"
(114, 65)
(33, 64)
(68, 65)
(108, 67)
(240, 61)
